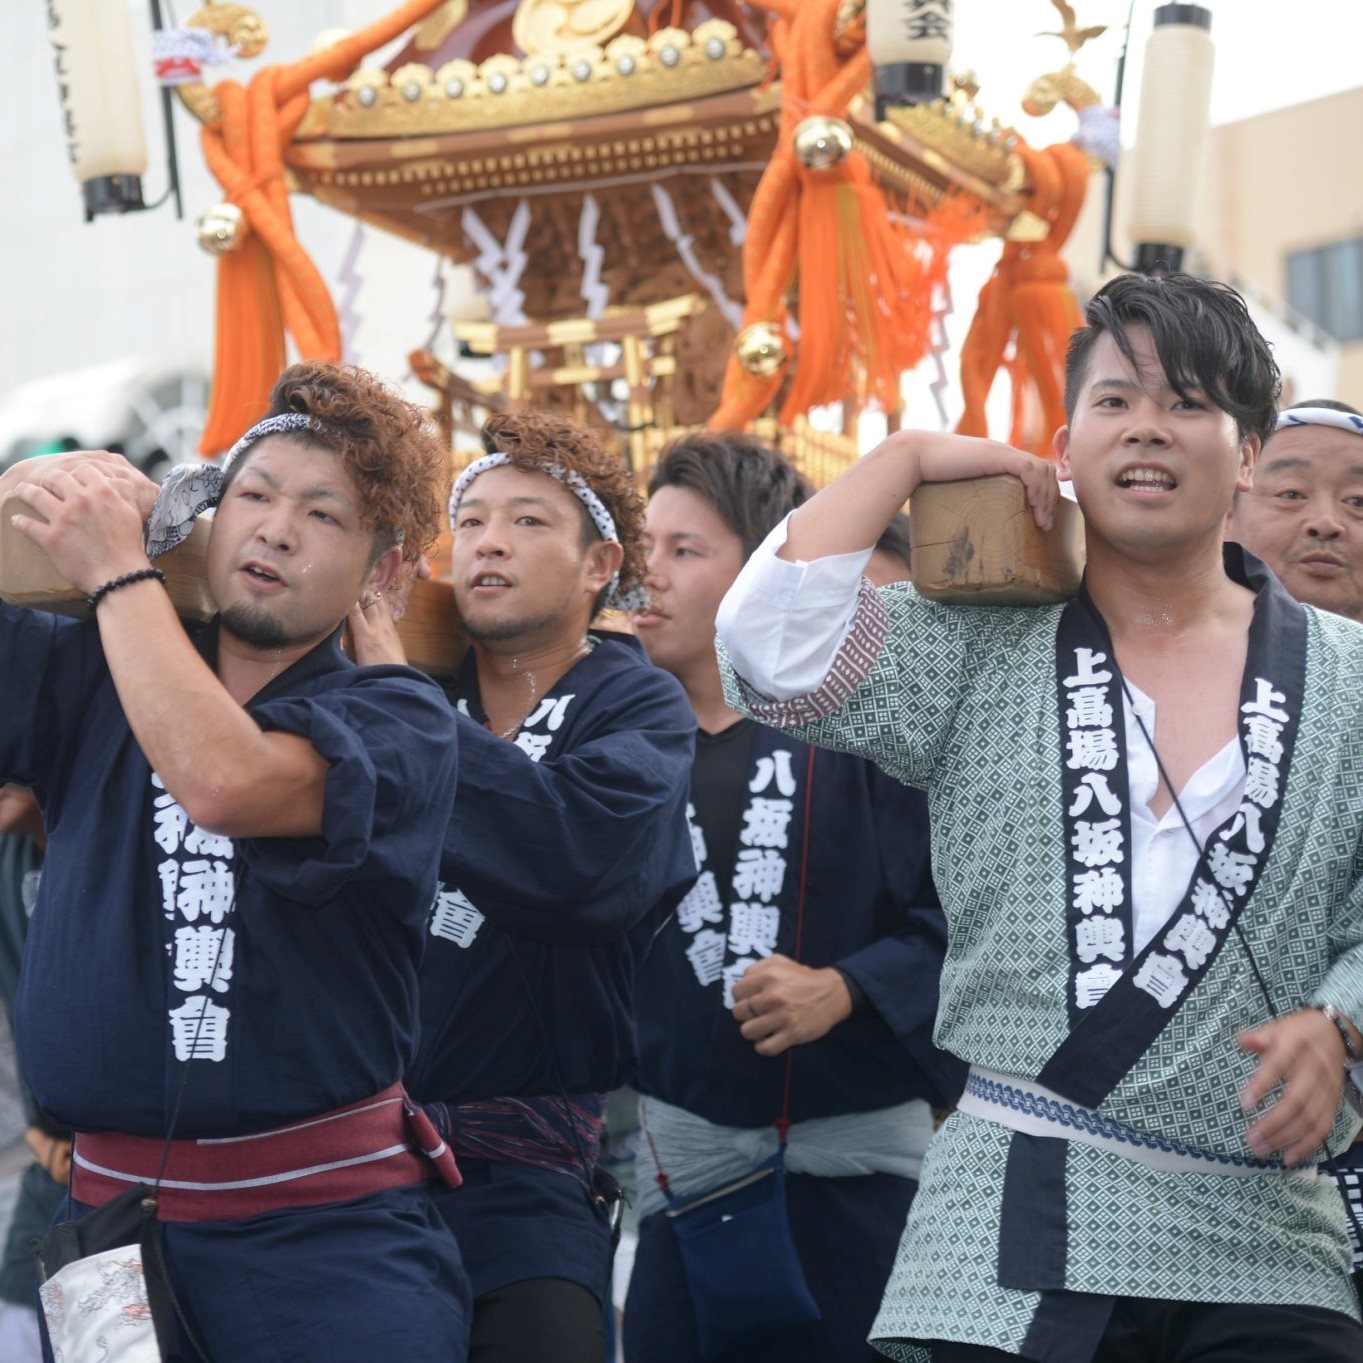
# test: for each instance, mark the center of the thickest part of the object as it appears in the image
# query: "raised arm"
(575, 850)
(228, 775)
(853, 511)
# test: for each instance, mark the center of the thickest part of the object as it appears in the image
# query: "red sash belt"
(381, 1142)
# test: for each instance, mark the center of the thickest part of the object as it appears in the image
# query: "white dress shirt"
(782, 624)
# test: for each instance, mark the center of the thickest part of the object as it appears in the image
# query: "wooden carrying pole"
(975, 543)
(429, 631)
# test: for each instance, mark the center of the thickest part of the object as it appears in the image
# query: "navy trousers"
(846, 1232)
(376, 1278)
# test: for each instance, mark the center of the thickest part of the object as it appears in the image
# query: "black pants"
(541, 1320)
(1142, 1331)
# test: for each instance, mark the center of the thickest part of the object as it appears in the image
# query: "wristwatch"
(1344, 1030)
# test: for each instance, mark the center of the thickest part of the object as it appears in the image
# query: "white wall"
(74, 295)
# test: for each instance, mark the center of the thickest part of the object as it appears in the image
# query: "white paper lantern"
(92, 48)
(1172, 134)
(909, 42)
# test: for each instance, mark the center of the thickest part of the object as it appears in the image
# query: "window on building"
(1326, 287)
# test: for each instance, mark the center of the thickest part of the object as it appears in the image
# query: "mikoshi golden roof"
(596, 156)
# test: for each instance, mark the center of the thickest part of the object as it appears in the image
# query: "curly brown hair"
(389, 446)
(537, 437)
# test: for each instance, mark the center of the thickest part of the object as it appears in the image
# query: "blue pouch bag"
(739, 1257)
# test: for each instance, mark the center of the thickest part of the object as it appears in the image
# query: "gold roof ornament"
(550, 27)
(627, 74)
(1064, 86)
(595, 159)
(240, 28)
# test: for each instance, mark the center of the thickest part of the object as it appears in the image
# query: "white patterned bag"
(97, 1310)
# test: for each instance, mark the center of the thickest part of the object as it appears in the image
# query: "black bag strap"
(782, 1122)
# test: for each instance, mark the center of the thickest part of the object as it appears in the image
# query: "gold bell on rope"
(761, 349)
(221, 229)
(823, 143)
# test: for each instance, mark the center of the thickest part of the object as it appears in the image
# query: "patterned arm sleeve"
(1343, 982)
(895, 683)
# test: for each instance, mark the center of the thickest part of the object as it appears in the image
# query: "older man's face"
(1304, 517)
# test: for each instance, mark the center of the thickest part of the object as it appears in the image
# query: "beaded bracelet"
(1342, 1026)
(141, 575)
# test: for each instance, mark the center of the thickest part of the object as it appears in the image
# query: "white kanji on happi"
(206, 890)
(1100, 936)
(1192, 939)
(702, 905)
(753, 929)
(1098, 844)
(1093, 786)
(534, 746)
(169, 821)
(1087, 662)
(776, 768)
(199, 1029)
(698, 849)
(765, 822)
(759, 873)
(733, 972)
(1163, 978)
(169, 873)
(204, 958)
(1092, 984)
(1211, 904)
(1247, 817)
(1091, 749)
(1088, 708)
(706, 954)
(1098, 889)
(205, 844)
(1234, 870)
(550, 713)
(1262, 779)
(454, 918)
(1261, 737)
(1266, 702)
(198, 889)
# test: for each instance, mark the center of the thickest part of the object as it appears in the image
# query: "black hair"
(751, 485)
(1325, 402)
(1204, 337)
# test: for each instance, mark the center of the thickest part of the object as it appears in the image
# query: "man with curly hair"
(219, 988)
(567, 843)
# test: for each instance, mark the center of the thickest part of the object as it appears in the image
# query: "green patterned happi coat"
(963, 703)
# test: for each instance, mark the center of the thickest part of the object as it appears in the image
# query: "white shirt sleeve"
(782, 623)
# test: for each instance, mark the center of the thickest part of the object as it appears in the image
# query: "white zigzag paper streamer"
(348, 314)
(502, 264)
(596, 294)
(685, 244)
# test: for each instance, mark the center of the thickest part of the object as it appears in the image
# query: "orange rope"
(271, 284)
(1027, 302)
(866, 281)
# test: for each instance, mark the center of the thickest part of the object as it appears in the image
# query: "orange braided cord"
(813, 82)
(271, 283)
(1027, 301)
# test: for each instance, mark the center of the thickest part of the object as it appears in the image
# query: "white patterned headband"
(188, 490)
(274, 425)
(1319, 416)
(634, 599)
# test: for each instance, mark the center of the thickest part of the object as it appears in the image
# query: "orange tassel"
(1027, 301)
(271, 284)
